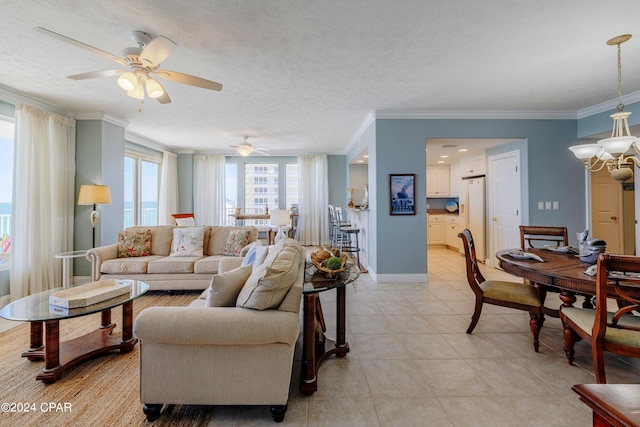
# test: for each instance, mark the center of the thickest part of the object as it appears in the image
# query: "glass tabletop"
(36, 307)
(315, 282)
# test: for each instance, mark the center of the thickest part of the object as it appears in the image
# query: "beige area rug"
(102, 391)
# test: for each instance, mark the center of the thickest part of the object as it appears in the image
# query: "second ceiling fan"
(142, 64)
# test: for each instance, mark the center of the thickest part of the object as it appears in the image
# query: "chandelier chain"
(620, 104)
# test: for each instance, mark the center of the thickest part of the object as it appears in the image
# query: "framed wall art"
(402, 194)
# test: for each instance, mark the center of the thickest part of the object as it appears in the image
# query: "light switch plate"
(547, 205)
(556, 206)
(540, 206)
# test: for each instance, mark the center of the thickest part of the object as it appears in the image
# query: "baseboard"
(399, 278)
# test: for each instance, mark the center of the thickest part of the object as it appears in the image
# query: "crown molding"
(355, 140)
(14, 97)
(139, 139)
(483, 115)
(97, 115)
(608, 105)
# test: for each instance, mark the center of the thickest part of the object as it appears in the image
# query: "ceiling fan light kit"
(141, 62)
(610, 152)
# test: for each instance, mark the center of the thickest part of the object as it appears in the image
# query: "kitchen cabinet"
(455, 180)
(451, 230)
(438, 181)
(473, 166)
(435, 230)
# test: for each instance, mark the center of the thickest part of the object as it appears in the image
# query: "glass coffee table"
(58, 356)
(315, 346)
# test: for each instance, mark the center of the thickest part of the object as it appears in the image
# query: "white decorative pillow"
(186, 222)
(187, 241)
(224, 288)
(270, 282)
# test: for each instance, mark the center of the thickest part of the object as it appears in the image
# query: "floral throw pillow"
(132, 243)
(237, 240)
(187, 241)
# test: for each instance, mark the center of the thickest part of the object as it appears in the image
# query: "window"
(140, 189)
(255, 184)
(6, 184)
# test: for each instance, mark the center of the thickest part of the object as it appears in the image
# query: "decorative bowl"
(319, 260)
(591, 257)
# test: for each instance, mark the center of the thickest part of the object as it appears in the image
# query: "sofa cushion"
(161, 236)
(134, 243)
(218, 235)
(208, 264)
(134, 265)
(187, 242)
(269, 283)
(236, 240)
(224, 288)
(180, 264)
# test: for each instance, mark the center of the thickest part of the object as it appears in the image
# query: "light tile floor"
(411, 362)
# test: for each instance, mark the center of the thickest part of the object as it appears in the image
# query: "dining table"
(563, 272)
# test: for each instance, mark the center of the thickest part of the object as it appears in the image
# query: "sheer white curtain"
(313, 222)
(168, 198)
(43, 199)
(209, 205)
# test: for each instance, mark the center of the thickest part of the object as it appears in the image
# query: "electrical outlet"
(547, 205)
(556, 206)
(540, 206)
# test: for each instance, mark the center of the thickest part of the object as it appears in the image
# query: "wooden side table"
(612, 404)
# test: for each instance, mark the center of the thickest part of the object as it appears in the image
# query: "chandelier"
(610, 152)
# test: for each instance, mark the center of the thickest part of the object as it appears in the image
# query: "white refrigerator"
(472, 212)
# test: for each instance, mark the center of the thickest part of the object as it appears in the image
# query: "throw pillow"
(132, 243)
(255, 256)
(270, 282)
(224, 288)
(187, 241)
(237, 240)
(185, 222)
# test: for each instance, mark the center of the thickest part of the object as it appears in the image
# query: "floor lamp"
(94, 195)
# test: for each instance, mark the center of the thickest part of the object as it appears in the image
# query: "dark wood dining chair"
(542, 234)
(519, 296)
(532, 236)
(616, 332)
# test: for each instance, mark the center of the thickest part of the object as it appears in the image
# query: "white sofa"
(162, 271)
(228, 355)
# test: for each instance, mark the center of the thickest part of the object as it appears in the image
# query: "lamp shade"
(128, 81)
(94, 195)
(279, 217)
(617, 145)
(154, 88)
(586, 151)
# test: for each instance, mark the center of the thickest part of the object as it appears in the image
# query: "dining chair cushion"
(584, 318)
(510, 291)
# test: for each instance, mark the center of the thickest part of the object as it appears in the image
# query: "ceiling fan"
(245, 149)
(142, 64)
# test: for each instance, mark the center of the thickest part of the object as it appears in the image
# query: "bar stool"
(334, 227)
(347, 232)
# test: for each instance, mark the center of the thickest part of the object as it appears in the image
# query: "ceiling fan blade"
(96, 74)
(164, 99)
(188, 79)
(156, 51)
(262, 149)
(82, 45)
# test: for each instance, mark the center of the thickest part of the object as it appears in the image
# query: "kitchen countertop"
(441, 212)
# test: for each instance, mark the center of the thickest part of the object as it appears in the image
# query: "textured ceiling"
(302, 76)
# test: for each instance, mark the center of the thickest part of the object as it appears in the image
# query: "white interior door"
(504, 203)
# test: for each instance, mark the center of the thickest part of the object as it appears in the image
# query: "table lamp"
(279, 218)
(94, 195)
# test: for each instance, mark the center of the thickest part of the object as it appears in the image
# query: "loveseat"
(232, 346)
(155, 255)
